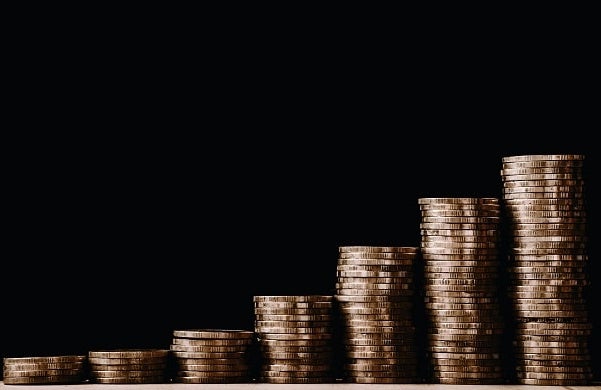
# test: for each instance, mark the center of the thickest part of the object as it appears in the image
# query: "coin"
(377, 249)
(278, 311)
(127, 374)
(461, 213)
(543, 157)
(404, 289)
(423, 201)
(127, 361)
(294, 336)
(134, 380)
(543, 164)
(211, 342)
(45, 359)
(280, 380)
(23, 380)
(197, 380)
(129, 367)
(42, 373)
(292, 298)
(377, 256)
(129, 353)
(212, 355)
(296, 374)
(293, 305)
(374, 268)
(43, 366)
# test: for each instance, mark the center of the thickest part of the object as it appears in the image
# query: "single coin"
(292, 298)
(543, 164)
(294, 336)
(206, 348)
(277, 311)
(211, 342)
(280, 380)
(127, 374)
(377, 256)
(131, 380)
(423, 201)
(293, 305)
(377, 249)
(128, 367)
(213, 355)
(45, 359)
(127, 361)
(42, 373)
(129, 353)
(543, 157)
(197, 380)
(39, 380)
(43, 366)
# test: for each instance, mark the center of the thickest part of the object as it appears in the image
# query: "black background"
(160, 188)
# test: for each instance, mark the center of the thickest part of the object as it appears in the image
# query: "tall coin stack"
(44, 370)
(211, 355)
(375, 294)
(459, 245)
(544, 202)
(295, 337)
(135, 366)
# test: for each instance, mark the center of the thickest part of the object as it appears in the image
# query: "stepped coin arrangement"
(459, 245)
(544, 205)
(46, 370)
(211, 355)
(375, 294)
(122, 366)
(295, 337)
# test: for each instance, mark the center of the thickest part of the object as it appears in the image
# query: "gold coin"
(396, 380)
(376, 268)
(377, 249)
(451, 355)
(197, 380)
(377, 256)
(278, 380)
(129, 353)
(292, 298)
(296, 367)
(461, 213)
(459, 362)
(45, 359)
(543, 157)
(515, 175)
(543, 164)
(568, 189)
(543, 183)
(211, 355)
(207, 348)
(294, 312)
(399, 362)
(266, 361)
(552, 344)
(23, 380)
(212, 374)
(134, 380)
(476, 201)
(42, 373)
(293, 305)
(380, 341)
(468, 375)
(127, 361)
(461, 261)
(547, 252)
(128, 367)
(545, 233)
(43, 366)
(461, 300)
(458, 235)
(551, 333)
(211, 342)
(431, 269)
(372, 298)
(551, 362)
(127, 374)
(214, 367)
(373, 274)
(458, 226)
(210, 361)
(544, 195)
(554, 375)
(461, 245)
(401, 290)
(297, 374)
(293, 318)
(295, 336)
(296, 330)
(461, 220)
(379, 367)
(483, 207)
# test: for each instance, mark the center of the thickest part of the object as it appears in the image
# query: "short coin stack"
(212, 355)
(124, 366)
(460, 251)
(544, 203)
(44, 370)
(295, 337)
(375, 294)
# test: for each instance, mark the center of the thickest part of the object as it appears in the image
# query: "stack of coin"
(128, 366)
(459, 244)
(45, 370)
(375, 293)
(295, 337)
(211, 355)
(544, 204)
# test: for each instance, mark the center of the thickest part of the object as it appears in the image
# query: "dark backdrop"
(148, 191)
